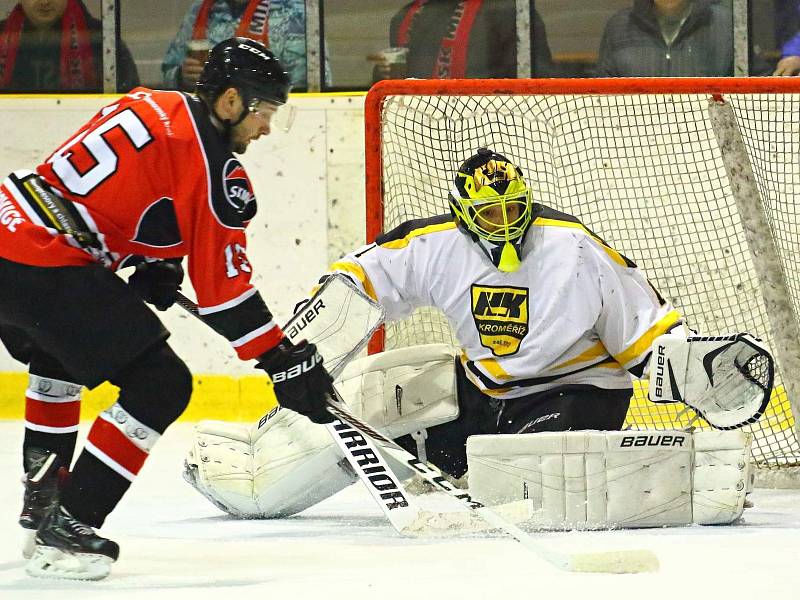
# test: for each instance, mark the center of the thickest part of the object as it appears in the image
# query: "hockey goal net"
(641, 163)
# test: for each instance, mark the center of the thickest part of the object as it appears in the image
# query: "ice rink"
(175, 544)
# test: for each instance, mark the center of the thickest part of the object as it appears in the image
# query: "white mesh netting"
(646, 174)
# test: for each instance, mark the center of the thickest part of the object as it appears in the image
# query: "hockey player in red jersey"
(151, 179)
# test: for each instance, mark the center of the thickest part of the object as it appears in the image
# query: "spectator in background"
(451, 39)
(668, 38)
(789, 64)
(56, 45)
(278, 24)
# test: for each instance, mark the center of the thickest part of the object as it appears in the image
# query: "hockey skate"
(41, 491)
(68, 549)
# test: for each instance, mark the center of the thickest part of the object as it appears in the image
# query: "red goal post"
(693, 178)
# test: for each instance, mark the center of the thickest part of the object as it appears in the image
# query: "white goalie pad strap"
(722, 475)
(276, 469)
(596, 480)
(726, 379)
(403, 391)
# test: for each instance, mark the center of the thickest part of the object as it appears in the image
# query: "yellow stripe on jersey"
(494, 369)
(403, 242)
(641, 345)
(609, 364)
(358, 272)
(477, 382)
(594, 352)
(615, 256)
(589, 355)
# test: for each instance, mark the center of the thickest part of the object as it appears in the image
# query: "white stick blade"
(624, 561)
(465, 521)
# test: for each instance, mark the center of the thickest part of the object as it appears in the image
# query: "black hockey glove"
(301, 382)
(158, 282)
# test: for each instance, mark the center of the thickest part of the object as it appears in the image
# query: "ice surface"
(175, 544)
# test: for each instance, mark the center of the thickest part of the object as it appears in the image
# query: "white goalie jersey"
(576, 312)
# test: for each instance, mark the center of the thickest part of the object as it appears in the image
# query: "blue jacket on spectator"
(792, 46)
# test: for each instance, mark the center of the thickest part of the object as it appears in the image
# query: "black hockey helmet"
(247, 65)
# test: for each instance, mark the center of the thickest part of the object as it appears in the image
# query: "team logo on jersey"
(501, 316)
(236, 185)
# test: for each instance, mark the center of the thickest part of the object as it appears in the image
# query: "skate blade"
(29, 543)
(53, 563)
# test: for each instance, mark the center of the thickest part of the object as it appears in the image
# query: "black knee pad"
(155, 388)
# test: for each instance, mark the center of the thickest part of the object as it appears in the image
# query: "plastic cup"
(395, 59)
(198, 50)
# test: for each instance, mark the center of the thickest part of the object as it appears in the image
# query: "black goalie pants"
(565, 408)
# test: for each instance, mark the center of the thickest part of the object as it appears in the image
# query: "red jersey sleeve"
(214, 205)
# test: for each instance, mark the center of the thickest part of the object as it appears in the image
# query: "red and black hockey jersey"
(148, 176)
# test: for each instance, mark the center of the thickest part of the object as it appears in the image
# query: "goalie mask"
(492, 203)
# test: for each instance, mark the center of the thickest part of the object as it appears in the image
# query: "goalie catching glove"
(300, 381)
(726, 379)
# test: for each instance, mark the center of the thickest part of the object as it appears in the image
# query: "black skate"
(41, 491)
(69, 549)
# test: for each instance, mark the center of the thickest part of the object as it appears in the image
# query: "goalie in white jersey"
(552, 321)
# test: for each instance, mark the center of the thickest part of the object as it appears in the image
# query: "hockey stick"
(399, 506)
(364, 458)
(189, 306)
(624, 561)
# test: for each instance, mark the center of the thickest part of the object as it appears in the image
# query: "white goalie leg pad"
(277, 468)
(403, 391)
(220, 466)
(285, 463)
(297, 464)
(627, 479)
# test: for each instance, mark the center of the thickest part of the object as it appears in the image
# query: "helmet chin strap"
(242, 115)
(224, 126)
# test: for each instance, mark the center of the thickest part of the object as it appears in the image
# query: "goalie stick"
(630, 561)
(623, 561)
